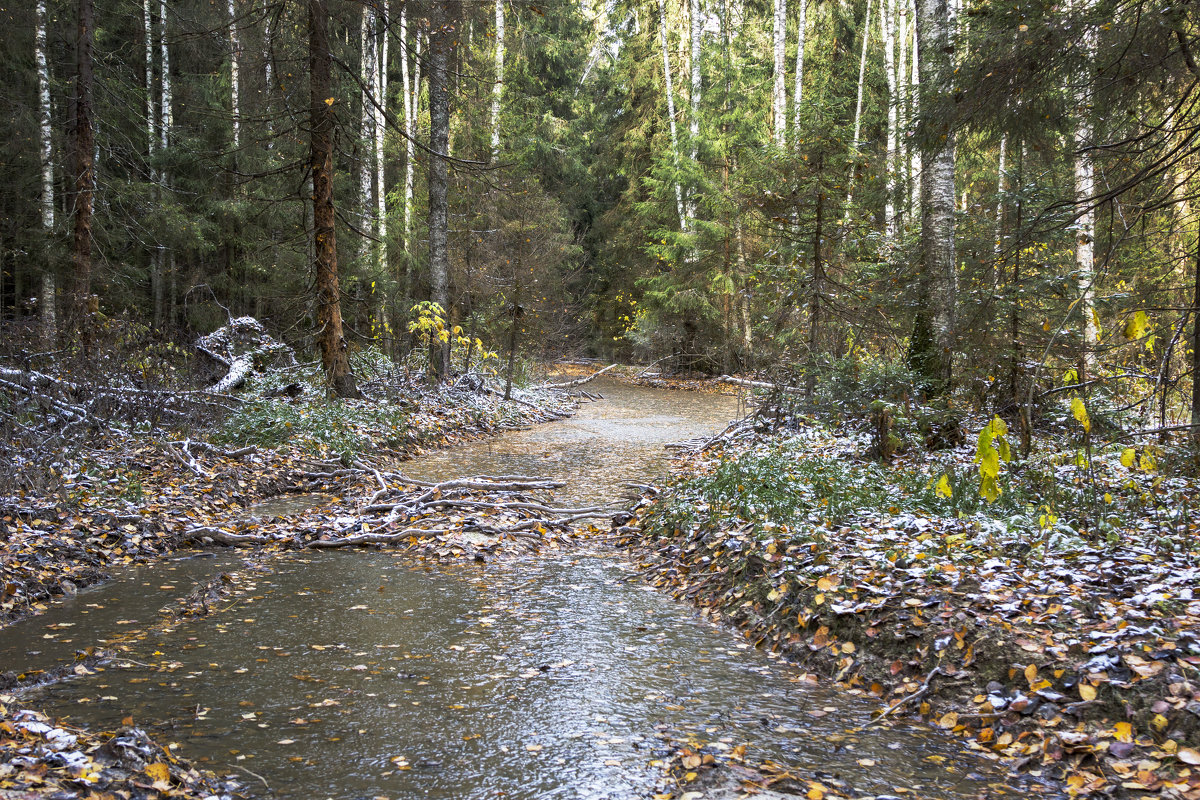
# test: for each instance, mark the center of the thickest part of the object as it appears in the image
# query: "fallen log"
(576, 382)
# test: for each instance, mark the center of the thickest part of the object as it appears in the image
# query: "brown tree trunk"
(329, 306)
(1195, 432)
(84, 175)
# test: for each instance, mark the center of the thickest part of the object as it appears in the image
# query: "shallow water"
(362, 675)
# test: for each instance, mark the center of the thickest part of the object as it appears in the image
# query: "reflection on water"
(615, 440)
(361, 675)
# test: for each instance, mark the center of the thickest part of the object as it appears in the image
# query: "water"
(363, 675)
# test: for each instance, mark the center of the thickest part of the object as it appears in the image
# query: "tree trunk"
(329, 337)
(410, 104)
(383, 36)
(914, 94)
(666, 51)
(1195, 419)
(887, 26)
(366, 162)
(443, 21)
(798, 93)
(166, 260)
(235, 68)
(84, 175)
(697, 87)
(862, 74)
(933, 341)
(46, 300)
(498, 85)
(1085, 226)
(814, 300)
(779, 94)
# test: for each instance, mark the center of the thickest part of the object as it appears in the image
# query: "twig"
(914, 696)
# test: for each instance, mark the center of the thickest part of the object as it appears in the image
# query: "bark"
(498, 85)
(366, 162)
(165, 259)
(1085, 226)
(933, 340)
(666, 52)
(914, 93)
(329, 337)
(1195, 419)
(798, 93)
(46, 297)
(887, 26)
(443, 21)
(814, 300)
(381, 91)
(84, 174)
(1001, 186)
(862, 74)
(235, 65)
(696, 75)
(410, 104)
(779, 93)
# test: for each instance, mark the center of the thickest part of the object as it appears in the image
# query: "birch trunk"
(166, 259)
(329, 336)
(798, 92)
(383, 35)
(268, 76)
(366, 137)
(862, 74)
(779, 94)
(914, 93)
(1001, 185)
(666, 51)
(441, 37)
(409, 128)
(694, 122)
(887, 26)
(46, 298)
(235, 66)
(933, 336)
(1085, 188)
(84, 135)
(498, 86)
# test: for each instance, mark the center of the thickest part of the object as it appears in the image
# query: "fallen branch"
(577, 381)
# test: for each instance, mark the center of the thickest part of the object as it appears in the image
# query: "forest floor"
(1056, 629)
(129, 499)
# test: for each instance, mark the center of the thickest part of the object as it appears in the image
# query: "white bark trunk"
(268, 75)
(381, 91)
(862, 74)
(498, 85)
(914, 93)
(697, 27)
(166, 117)
(887, 26)
(46, 298)
(410, 104)
(798, 93)
(366, 138)
(235, 65)
(903, 96)
(1085, 187)
(1001, 182)
(779, 94)
(666, 52)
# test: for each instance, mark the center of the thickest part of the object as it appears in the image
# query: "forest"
(862, 335)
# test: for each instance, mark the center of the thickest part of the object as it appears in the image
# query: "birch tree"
(1085, 188)
(798, 93)
(666, 53)
(933, 341)
(779, 93)
(862, 74)
(409, 126)
(498, 84)
(46, 297)
(887, 27)
(368, 122)
(330, 341)
(697, 28)
(381, 91)
(235, 67)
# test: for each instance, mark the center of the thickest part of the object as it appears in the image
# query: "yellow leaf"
(1031, 673)
(1137, 326)
(825, 584)
(1123, 731)
(1079, 411)
(943, 487)
(329, 101)
(816, 792)
(1087, 691)
(948, 720)
(1159, 722)
(160, 773)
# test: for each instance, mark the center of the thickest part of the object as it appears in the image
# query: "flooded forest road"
(370, 674)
